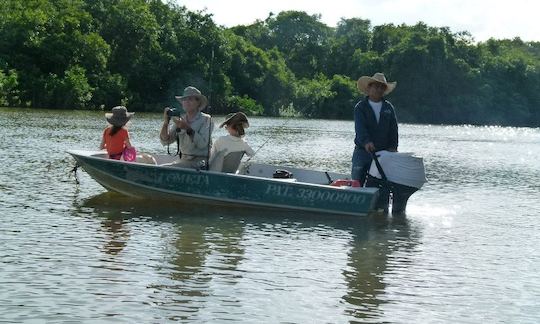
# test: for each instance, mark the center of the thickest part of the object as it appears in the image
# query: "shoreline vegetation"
(95, 54)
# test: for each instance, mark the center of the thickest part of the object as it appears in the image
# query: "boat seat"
(231, 161)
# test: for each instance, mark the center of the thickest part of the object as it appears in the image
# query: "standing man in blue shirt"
(375, 123)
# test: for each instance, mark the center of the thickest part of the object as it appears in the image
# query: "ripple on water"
(465, 252)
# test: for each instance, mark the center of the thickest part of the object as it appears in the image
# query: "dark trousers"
(361, 161)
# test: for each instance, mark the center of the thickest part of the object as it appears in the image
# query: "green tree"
(385, 37)
(8, 88)
(303, 40)
(258, 33)
(100, 53)
(352, 38)
(326, 98)
(261, 75)
(43, 40)
(192, 52)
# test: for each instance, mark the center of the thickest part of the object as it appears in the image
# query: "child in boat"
(235, 124)
(116, 136)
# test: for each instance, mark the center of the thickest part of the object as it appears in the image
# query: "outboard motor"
(400, 174)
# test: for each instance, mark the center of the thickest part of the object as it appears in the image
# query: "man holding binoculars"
(192, 131)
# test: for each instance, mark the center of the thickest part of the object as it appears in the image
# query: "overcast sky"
(482, 18)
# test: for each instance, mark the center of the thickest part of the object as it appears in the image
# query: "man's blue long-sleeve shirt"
(383, 134)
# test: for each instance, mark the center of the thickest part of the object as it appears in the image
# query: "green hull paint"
(161, 182)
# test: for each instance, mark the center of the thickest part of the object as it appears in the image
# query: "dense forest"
(95, 54)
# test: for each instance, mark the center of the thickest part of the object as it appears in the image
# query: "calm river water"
(467, 251)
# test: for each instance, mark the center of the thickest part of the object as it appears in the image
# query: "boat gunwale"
(81, 156)
(217, 173)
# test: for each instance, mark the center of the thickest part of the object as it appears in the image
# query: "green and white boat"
(252, 185)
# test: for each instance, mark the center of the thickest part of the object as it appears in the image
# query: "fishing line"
(210, 129)
(269, 138)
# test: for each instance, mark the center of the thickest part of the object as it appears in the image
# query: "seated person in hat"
(235, 124)
(192, 130)
(116, 136)
(375, 123)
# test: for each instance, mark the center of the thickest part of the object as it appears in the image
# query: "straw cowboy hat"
(235, 119)
(378, 77)
(118, 116)
(193, 92)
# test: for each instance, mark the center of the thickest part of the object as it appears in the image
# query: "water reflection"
(190, 249)
(372, 248)
(114, 220)
(200, 254)
(117, 233)
(198, 244)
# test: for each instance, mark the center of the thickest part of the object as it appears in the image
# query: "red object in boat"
(346, 183)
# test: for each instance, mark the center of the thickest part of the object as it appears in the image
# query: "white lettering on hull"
(185, 179)
(343, 197)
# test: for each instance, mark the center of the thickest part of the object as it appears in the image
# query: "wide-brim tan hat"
(194, 92)
(118, 116)
(378, 77)
(235, 119)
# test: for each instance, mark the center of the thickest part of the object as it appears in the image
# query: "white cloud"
(482, 18)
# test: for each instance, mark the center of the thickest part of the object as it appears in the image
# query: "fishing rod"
(207, 109)
(269, 138)
(210, 79)
(207, 166)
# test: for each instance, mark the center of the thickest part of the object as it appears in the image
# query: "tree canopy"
(94, 54)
